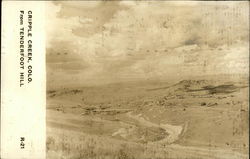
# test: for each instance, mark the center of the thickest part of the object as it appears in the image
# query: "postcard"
(124, 79)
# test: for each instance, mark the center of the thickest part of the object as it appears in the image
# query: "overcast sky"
(94, 41)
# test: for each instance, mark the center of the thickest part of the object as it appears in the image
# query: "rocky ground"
(147, 120)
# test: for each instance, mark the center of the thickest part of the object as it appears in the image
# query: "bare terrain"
(203, 118)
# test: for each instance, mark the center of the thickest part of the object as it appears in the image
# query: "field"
(201, 118)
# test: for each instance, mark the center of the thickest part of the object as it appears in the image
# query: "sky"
(116, 41)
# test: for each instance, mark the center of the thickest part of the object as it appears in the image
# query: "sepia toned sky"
(112, 41)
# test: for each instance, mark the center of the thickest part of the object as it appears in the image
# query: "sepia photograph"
(147, 79)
